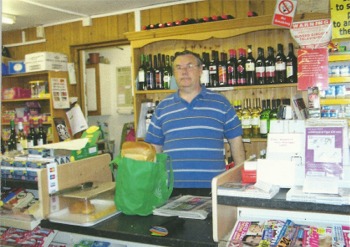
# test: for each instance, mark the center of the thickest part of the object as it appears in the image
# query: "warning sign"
(284, 13)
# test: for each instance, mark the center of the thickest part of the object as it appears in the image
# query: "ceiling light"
(8, 19)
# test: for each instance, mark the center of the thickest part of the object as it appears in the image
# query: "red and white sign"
(284, 13)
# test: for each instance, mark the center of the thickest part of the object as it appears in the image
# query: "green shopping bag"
(141, 186)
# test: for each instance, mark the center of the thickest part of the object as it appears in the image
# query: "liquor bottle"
(157, 71)
(280, 65)
(250, 67)
(241, 73)
(142, 75)
(260, 67)
(213, 70)
(150, 75)
(149, 114)
(167, 73)
(11, 142)
(270, 66)
(231, 68)
(205, 70)
(222, 70)
(255, 120)
(21, 139)
(31, 137)
(264, 118)
(292, 65)
(246, 120)
(41, 135)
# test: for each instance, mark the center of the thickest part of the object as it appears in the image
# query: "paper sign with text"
(284, 13)
(340, 13)
(312, 34)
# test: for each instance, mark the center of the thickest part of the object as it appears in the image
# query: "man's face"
(187, 72)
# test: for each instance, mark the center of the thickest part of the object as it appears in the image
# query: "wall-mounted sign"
(340, 13)
(284, 13)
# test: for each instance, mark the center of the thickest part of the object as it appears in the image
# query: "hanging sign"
(284, 13)
(340, 13)
(312, 34)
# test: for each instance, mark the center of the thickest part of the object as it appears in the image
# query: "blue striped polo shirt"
(193, 134)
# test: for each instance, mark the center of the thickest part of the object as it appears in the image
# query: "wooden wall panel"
(203, 9)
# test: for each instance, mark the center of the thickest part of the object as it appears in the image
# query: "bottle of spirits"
(41, 135)
(150, 75)
(142, 74)
(264, 118)
(280, 65)
(21, 138)
(31, 137)
(270, 66)
(292, 65)
(213, 70)
(167, 73)
(241, 73)
(260, 67)
(222, 70)
(11, 142)
(246, 120)
(205, 70)
(232, 68)
(250, 67)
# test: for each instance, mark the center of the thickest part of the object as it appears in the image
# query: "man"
(191, 125)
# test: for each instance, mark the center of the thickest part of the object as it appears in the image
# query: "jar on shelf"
(39, 89)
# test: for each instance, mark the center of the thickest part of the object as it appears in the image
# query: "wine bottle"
(280, 65)
(167, 73)
(21, 139)
(264, 118)
(246, 120)
(260, 67)
(142, 75)
(158, 71)
(41, 135)
(222, 69)
(11, 142)
(241, 73)
(270, 66)
(250, 67)
(292, 65)
(255, 114)
(31, 137)
(213, 70)
(205, 70)
(231, 68)
(150, 76)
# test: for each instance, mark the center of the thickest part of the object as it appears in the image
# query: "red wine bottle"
(260, 67)
(292, 65)
(270, 66)
(280, 65)
(205, 69)
(241, 73)
(222, 70)
(232, 68)
(250, 67)
(213, 70)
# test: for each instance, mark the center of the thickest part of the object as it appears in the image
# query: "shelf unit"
(221, 36)
(46, 103)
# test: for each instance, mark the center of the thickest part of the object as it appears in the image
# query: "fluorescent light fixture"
(8, 19)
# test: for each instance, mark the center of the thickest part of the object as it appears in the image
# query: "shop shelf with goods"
(220, 36)
(13, 99)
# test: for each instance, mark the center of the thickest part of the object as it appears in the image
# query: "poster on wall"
(60, 95)
(340, 11)
(312, 68)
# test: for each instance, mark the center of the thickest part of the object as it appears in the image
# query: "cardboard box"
(16, 67)
(40, 61)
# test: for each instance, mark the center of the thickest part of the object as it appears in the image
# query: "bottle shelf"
(25, 123)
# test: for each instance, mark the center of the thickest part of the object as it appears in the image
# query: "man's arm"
(158, 148)
(237, 150)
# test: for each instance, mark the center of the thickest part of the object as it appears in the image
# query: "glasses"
(188, 67)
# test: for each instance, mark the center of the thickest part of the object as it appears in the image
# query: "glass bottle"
(142, 74)
(11, 142)
(241, 73)
(205, 69)
(264, 118)
(270, 66)
(255, 120)
(260, 67)
(150, 76)
(31, 137)
(158, 71)
(280, 65)
(246, 120)
(21, 138)
(250, 67)
(231, 68)
(222, 70)
(213, 70)
(292, 65)
(41, 135)
(167, 73)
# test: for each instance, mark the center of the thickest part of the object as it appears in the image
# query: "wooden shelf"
(24, 100)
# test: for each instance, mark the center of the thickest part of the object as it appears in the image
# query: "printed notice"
(340, 11)
(284, 13)
(312, 68)
(60, 93)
